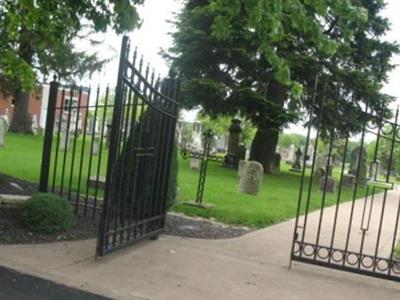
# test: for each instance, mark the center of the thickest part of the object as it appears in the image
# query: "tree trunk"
(263, 147)
(21, 120)
(265, 141)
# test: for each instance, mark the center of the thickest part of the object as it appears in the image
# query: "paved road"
(18, 286)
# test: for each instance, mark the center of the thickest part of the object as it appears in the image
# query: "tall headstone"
(296, 167)
(232, 157)
(291, 154)
(96, 145)
(35, 124)
(358, 164)
(310, 155)
(276, 163)
(3, 130)
(196, 145)
(251, 178)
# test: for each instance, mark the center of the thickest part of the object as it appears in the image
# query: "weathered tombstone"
(276, 163)
(291, 154)
(327, 184)
(251, 178)
(65, 140)
(221, 143)
(96, 145)
(232, 157)
(194, 163)
(348, 180)
(240, 168)
(35, 124)
(3, 130)
(309, 155)
(359, 165)
(296, 167)
(284, 154)
(196, 144)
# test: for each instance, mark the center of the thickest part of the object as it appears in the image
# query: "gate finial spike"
(147, 71)
(153, 75)
(134, 57)
(141, 63)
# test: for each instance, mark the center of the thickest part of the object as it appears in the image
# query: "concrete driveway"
(254, 266)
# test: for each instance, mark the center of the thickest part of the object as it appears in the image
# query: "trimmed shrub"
(173, 178)
(47, 213)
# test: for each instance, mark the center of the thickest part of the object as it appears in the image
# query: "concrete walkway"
(254, 266)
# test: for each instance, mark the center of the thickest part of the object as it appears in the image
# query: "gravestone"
(232, 157)
(96, 145)
(296, 167)
(221, 143)
(251, 178)
(240, 168)
(329, 186)
(348, 180)
(309, 155)
(284, 154)
(291, 154)
(65, 140)
(3, 130)
(276, 163)
(358, 162)
(195, 164)
(196, 144)
(35, 124)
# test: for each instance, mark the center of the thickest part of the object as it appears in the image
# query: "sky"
(153, 36)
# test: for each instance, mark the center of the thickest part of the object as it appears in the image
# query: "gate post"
(48, 136)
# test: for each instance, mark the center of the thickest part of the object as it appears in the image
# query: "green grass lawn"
(276, 202)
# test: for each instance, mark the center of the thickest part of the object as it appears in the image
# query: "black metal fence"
(360, 235)
(76, 145)
(110, 153)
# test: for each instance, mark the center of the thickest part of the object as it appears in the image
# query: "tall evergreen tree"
(255, 58)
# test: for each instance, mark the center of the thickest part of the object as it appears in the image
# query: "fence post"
(48, 136)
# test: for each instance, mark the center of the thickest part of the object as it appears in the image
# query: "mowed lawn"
(276, 202)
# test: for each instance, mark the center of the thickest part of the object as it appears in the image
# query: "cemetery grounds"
(276, 202)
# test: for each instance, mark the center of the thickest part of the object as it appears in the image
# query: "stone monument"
(358, 164)
(296, 167)
(291, 154)
(3, 130)
(251, 178)
(232, 156)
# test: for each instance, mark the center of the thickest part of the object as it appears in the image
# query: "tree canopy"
(37, 37)
(260, 59)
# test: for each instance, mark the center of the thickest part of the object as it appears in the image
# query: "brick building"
(37, 106)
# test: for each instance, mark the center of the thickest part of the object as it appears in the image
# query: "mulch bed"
(12, 185)
(13, 232)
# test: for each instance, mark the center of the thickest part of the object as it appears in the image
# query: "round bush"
(47, 213)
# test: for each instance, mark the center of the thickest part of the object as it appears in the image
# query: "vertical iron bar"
(113, 148)
(48, 136)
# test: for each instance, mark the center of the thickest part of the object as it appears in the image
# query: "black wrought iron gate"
(142, 137)
(349, 203)
(110, 156)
